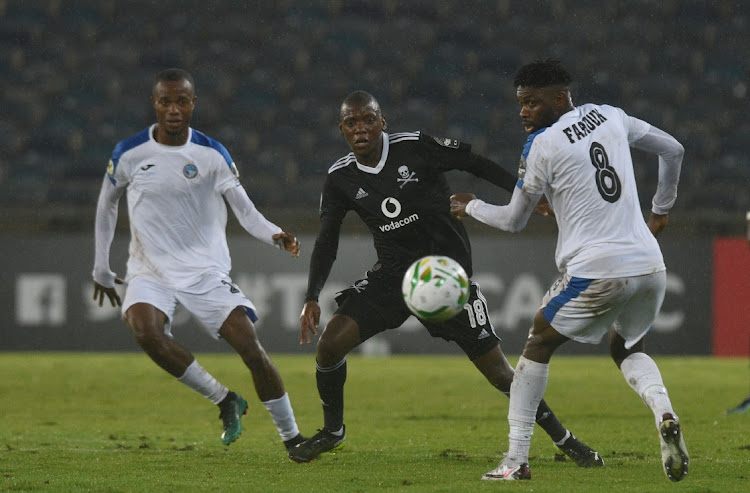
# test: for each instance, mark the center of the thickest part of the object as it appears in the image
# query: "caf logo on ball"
(435, 288)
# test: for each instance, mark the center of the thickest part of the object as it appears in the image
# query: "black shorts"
(377, 305)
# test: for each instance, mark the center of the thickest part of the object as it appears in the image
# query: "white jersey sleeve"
(249, 217)
(512, 217)
(104, 231)
(670, 153)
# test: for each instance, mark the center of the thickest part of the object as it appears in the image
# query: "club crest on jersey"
(446, 142)
(111, 169)
(190, 171)
(406, 176)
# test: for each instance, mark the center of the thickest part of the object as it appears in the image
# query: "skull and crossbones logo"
(406, 176)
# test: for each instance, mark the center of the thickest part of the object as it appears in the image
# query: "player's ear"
(341, 129)
(562, 98)
(383, 122)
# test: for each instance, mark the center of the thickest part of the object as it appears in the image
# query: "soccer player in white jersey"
(177, 181)
(613, 274)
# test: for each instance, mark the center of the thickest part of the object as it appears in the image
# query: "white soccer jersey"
(177, 213)
(582, 163)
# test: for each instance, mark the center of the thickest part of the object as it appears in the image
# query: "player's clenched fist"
(458, 204)
(288, 242)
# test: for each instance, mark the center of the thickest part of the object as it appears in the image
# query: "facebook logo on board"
(40, 299)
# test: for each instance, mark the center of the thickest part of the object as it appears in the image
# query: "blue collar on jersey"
(529, 140)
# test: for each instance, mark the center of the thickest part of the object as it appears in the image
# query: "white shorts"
(584, 309)
(211, 300)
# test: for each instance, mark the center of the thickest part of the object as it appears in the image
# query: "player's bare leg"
(239, 331)
(147, 325)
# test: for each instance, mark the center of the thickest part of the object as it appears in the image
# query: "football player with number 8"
(613, 273)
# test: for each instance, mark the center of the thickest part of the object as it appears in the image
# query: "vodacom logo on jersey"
(392, 209)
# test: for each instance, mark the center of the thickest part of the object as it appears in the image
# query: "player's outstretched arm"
(512, 217)
(461, 199)
(288, 242)
(252, 220)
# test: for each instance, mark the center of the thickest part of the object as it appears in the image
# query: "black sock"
(226, 400)
(549, 422)
(331, 389)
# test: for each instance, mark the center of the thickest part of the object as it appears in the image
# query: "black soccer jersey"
(405, 202)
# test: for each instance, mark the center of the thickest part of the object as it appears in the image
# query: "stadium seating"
(75, 78)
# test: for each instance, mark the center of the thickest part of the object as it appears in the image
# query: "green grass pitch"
(116, 422)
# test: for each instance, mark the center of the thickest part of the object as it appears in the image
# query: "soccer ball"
(435, 288)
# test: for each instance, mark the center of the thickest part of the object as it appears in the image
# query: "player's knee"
(327, 352)
(330, 350)
(148, 336)
(147, 326)
(539, 350)
(534, 344)
(336, 341)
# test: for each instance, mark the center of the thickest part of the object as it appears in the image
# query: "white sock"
(198, 379)
(526, 391)
(643, 376)
(283, 416)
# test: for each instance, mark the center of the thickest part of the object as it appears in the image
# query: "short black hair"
(174, 75)
(542, 73)
(361, 98)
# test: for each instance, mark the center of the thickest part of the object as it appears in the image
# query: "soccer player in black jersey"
(396, 184)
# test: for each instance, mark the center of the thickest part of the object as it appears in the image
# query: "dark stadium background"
(75, 77)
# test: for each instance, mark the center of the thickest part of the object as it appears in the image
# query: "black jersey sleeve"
(452, 154)
(332, 212)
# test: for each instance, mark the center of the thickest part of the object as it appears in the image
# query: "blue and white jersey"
(177, 212)
(582, 163)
